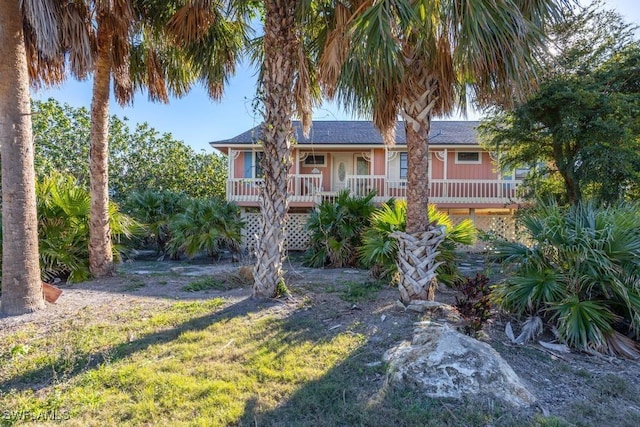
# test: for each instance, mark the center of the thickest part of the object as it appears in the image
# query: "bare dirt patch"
(576, 388)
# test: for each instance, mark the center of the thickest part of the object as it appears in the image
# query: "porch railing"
(308, 189)
(301, 188)
(440, 191)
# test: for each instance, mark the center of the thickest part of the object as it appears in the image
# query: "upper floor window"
(468, 157)
(315, 160)
(403, 166)
(253, 164)
(521, 173)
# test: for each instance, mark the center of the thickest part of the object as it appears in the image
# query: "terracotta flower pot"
(50, 292)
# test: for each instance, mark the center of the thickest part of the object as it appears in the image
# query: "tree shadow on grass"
(355, 392)
(45, 376)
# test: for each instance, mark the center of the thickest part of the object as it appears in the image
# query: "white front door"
(342, 166)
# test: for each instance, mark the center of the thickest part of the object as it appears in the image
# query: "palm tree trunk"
(417, 248)
(21, 285)
(280, 46)
(100, 251)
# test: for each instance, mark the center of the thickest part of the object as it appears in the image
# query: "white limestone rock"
(446, 363)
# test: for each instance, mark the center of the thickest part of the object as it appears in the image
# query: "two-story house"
(463, 179)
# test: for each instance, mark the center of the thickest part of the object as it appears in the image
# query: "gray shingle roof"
(364, 133)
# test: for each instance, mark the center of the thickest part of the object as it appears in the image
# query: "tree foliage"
(139, 160)
(582, 124)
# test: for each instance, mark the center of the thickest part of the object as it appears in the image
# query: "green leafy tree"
(582, 125)
(139, 160)
(580, 273)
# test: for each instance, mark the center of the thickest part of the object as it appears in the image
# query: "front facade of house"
(337, 155)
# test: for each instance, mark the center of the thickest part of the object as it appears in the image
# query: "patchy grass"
(359, 291)
(205, 284)
(207, 363)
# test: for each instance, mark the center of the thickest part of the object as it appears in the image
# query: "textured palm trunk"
(417, 248)
(21, 285)
(100, 251)
(280, 46)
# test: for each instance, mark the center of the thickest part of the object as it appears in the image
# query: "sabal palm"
(379, 251)
(285, 85)
(581, 272)
(159, 46)
(418, 58)
(21, 285)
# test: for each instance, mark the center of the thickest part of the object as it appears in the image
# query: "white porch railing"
(308, 189)
(301, 188)
(441, 191)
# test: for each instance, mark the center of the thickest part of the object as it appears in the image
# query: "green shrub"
(63, 228)
(336, 231)
(154, 209)
(206, 226)
(379, 251)
(581, 273)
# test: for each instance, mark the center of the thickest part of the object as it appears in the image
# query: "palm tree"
(160, 46)
(21, 285)
(285, 84)
(420, 59)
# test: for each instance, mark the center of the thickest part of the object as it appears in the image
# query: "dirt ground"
(577, 388)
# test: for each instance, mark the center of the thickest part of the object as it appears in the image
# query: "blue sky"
(197, 120)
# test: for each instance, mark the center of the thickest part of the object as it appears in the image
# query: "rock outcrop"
(446, 363)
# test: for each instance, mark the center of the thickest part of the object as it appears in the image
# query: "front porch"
(307, 190)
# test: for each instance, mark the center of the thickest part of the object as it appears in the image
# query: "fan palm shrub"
(63, 228)
(581, 273)
(379, 251)
(206, 226)
(336, 230)
(155, 208)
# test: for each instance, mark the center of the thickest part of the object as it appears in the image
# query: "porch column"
(230, 168)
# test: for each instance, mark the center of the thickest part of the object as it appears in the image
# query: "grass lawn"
(211, 363)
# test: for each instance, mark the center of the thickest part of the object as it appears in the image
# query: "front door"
(342, 166)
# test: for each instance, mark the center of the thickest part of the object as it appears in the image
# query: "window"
(315, 160)
(252, 164)
(403, 166)
(362, 166)
(521, 173)
(468, 157)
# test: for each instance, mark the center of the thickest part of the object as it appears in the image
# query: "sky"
(197, 120)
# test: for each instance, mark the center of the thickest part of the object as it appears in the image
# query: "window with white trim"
(319, 160)
(403, 165)
(252, 164)
(468, 158)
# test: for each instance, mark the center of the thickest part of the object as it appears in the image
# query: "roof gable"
(325, 132)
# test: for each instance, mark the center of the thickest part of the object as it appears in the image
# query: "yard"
(184, 344)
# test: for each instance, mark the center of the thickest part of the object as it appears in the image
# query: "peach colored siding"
(238, 166)
(485, 170)
(437, 167)
(379, 160)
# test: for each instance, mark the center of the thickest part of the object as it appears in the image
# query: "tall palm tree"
(162, 47)
(286, 88)
(418, 59)
(21, 285)
(159, 46)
